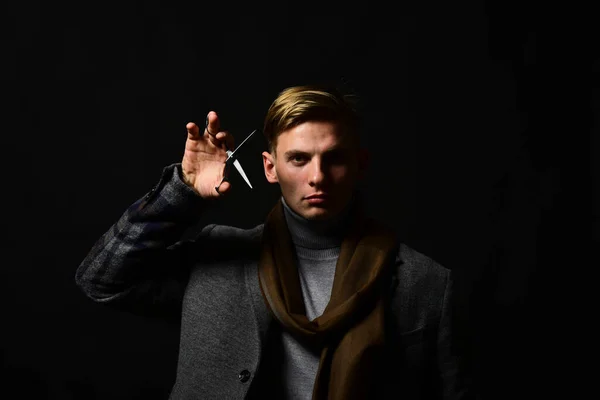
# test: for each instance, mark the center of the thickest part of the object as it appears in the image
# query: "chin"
(318, 214)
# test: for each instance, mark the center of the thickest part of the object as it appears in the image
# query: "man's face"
(317, 168)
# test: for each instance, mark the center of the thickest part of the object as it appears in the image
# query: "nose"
(317, 175)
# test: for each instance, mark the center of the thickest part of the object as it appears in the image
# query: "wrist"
(186, 178)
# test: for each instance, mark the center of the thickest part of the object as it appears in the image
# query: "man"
(319, 302)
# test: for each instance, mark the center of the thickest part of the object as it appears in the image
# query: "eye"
(337, 157)
(297, 159)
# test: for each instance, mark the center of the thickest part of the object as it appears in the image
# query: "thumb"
(223, 188)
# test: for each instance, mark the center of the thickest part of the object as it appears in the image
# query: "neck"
(317, 234)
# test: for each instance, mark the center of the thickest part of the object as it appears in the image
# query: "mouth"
(317, 199)
(321, 196)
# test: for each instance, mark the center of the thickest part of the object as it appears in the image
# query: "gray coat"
(211, 283)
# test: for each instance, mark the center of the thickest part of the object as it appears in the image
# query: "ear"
(364, 158)
(269, 165)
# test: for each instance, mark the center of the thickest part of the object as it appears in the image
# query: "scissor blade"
(243, 141)
(238, 166)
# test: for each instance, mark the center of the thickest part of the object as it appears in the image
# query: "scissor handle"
(225, 175)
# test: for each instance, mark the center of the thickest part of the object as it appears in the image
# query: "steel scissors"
(232, 159)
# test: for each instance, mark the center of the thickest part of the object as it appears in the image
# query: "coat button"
(244, 376)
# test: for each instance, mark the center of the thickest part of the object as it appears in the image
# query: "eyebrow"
(292, 153)
(331, 150)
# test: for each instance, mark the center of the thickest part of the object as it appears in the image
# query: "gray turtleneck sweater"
(317, 246)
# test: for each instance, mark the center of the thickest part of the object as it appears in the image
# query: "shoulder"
(411, 264)
(414, 268)
(226, 242)
(227, 231)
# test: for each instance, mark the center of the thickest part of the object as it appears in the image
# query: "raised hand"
(204, 157)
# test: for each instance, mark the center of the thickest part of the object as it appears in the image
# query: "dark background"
(481, 119)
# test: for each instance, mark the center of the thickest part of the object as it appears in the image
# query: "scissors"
(232, 159)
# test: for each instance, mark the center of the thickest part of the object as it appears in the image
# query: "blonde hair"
(299, 104)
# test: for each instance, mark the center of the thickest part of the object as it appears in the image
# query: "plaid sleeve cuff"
(173, 194)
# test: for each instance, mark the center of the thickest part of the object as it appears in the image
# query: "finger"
(218, 139)
(227, 138)
(193, 130)
(212, 124)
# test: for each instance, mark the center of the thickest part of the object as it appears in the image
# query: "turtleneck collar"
(310, 234)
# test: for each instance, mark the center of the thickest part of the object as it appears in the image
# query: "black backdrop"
(480, 119)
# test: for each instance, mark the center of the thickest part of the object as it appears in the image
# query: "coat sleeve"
(140, 263)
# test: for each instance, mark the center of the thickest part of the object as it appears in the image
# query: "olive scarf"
(350, 332)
